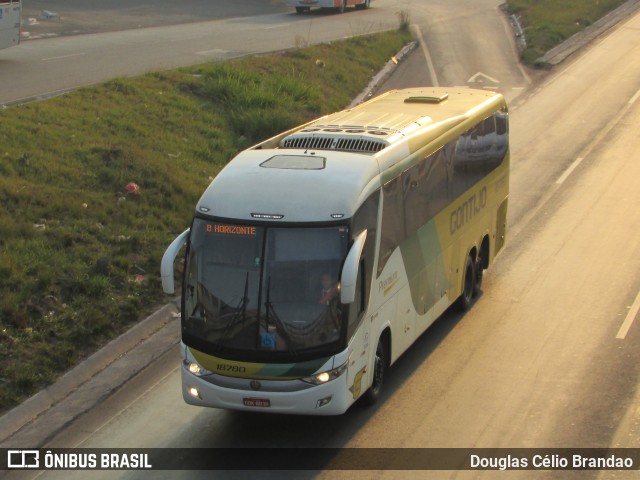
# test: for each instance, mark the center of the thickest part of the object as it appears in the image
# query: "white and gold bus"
(9, 23)
(317, 257)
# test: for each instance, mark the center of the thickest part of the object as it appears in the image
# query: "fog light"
(194, 392)
(323, 401)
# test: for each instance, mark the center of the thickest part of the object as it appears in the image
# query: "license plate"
(256, 402)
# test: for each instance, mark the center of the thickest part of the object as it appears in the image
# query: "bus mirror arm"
(349, 276)
(169, 257)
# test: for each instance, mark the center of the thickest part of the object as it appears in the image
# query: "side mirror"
(169, 257)
(350, 269)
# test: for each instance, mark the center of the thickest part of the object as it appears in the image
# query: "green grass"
(548, 23)
(79, 256)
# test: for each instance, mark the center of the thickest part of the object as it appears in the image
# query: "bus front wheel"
(379, 370)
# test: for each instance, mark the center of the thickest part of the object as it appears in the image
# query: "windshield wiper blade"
(241, 309)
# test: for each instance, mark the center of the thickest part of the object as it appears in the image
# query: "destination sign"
(231, 229)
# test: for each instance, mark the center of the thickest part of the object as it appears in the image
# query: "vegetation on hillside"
(548, 23)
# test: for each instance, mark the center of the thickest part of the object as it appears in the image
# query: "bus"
(339, 6)
(9, 23)
(317, 257)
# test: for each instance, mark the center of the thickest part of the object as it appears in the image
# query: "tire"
(379, 371)
(468, 285)
(302, 9)
(479, 272)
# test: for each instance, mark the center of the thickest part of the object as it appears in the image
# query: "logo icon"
(23, 459)
(255, 385)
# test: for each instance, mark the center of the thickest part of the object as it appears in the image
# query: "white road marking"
(427, 55)
(475, 77)
(568, 171)
(60, 57)
(598, 138)
(631, 315)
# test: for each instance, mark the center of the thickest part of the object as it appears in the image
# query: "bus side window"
(392, 221)
(360, 290)
(356, 313)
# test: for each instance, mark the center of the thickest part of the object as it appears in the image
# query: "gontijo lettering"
(469, 208)
(231, 229)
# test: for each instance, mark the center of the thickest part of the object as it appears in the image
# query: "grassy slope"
(79, 256)
(548, 23)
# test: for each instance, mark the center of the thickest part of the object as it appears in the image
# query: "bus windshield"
(263, 292)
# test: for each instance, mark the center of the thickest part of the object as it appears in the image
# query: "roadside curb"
(87, 384)
(384, 74)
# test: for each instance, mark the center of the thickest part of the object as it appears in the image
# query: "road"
(548, 356)
(468, 45)
(74, 17)
(58, 64)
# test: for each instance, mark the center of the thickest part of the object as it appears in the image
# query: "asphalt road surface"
(48, 18)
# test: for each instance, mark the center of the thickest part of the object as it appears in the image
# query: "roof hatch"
(427, 99)
(295, 162)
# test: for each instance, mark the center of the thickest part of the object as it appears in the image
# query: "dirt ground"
(49, 18)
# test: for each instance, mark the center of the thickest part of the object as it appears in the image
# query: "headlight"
(196, 369)
(324, 377)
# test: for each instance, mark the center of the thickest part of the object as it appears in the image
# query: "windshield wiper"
(241, 309)
(280, 328)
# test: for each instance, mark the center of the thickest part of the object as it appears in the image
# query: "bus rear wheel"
(468, 285)
(379, 370)
(479, 272)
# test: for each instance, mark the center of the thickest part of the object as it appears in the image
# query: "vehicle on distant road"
(303, 6)
(317, 257)
(10, 11)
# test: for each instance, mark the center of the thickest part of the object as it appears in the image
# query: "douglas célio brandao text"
(552, 462)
